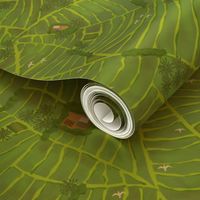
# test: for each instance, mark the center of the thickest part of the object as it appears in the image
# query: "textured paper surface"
(142, 51)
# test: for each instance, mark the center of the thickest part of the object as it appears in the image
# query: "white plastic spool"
(102, 114)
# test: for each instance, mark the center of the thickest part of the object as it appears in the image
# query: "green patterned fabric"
(147, 52)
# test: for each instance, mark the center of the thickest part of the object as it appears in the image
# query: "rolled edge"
(119, 121)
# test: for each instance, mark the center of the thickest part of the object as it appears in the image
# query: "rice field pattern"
(142, 50)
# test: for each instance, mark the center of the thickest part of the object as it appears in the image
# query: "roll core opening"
(107, 111)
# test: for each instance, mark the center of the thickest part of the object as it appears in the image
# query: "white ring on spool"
(102, 115)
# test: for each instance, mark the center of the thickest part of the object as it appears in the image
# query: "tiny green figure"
(72, 189)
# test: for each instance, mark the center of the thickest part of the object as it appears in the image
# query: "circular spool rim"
(89, 98)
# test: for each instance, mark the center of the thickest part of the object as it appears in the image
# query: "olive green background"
(142, 50)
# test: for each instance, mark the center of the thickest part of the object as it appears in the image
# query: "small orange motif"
(60, 27)
(76, 121)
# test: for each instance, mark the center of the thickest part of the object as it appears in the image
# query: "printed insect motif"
(180, 130)
(148, 16)
(164, 167)
(118, 194)
(79, 71)
(141, 16)
(62, 31)
(43, 60)
(60, 27)
(65, 29)
(30, 64)
(136, 21)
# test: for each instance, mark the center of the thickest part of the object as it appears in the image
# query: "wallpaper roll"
(131, 67)
(133, 54)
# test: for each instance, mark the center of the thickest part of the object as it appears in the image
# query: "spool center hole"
(106, 116)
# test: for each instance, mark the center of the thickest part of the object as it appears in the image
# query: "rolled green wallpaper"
(72, 71)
